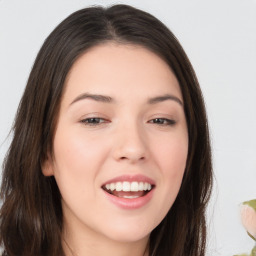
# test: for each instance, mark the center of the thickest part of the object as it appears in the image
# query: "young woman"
(110, 152)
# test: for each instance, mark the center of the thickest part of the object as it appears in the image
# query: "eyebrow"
(95, 97)
(165, 97)
(108, 99)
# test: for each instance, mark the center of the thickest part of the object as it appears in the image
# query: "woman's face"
(121, 143)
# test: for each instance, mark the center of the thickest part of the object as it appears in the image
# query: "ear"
(47, 167)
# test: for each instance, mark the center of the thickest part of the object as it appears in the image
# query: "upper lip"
(131, 178)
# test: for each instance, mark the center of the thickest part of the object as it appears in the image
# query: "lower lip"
(130, 203)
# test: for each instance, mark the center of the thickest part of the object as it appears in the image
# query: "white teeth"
(141, 186)
(112, 186)
(134, 186)
(126, 186)
(119, 186)
(129, 186)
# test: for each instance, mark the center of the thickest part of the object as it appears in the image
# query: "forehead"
(120, 70)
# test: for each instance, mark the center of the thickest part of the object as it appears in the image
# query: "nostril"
(133, 158)
(130, 148)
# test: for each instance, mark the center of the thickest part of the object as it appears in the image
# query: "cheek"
(171, 160)
(76, 151)
(173, 167)
(77, 161)
(171, 154)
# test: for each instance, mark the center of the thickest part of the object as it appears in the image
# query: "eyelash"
(95, 121)
(91, 121)
(163, 121)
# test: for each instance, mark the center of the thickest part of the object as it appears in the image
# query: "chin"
(130, 232)
(128, 237)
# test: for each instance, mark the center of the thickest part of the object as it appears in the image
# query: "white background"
(220, 39)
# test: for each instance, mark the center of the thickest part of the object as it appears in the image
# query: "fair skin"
(135, 132)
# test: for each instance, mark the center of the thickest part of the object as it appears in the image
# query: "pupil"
(158, 120)
(93, 120)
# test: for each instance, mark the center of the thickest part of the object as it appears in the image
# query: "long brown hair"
(31, 214)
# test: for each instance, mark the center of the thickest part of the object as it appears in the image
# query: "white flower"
(248, 215)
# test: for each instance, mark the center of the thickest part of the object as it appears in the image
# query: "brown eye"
(162, 121)
(93, 121)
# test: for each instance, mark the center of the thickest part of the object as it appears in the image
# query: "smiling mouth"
(129, 190)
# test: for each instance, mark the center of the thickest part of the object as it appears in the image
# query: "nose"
(130, 144)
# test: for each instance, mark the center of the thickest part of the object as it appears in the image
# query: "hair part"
(31, 214)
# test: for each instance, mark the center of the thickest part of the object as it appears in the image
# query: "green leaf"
(251, 203)
(253, 252)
